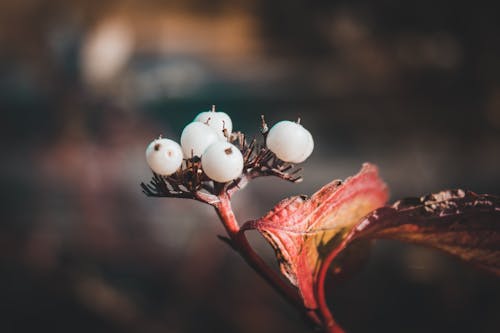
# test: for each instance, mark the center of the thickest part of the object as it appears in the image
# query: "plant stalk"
(331, 325)
(243, 247)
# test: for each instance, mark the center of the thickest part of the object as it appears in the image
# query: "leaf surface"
(303, 231)
(461, 223)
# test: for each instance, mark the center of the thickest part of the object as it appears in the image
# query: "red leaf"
(460, 223)
(303, 231)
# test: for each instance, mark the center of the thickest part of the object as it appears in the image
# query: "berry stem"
(241, 245)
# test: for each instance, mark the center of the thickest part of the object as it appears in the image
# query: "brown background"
(85, 85)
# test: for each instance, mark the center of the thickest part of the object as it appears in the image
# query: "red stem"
(243, 247)
(330, 325)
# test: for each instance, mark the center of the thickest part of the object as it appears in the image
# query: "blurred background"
(86, 85)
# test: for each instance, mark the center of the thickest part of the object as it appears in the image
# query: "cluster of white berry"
(208, 137)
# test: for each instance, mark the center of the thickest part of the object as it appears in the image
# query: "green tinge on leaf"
(303, 231)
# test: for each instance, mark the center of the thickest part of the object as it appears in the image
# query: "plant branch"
(241, 245)
(331, 325)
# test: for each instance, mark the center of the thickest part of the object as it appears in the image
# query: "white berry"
(222, 162)
(219, 121)
(196, 137)
(308, 151)
(164, 156)
(289, 141)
